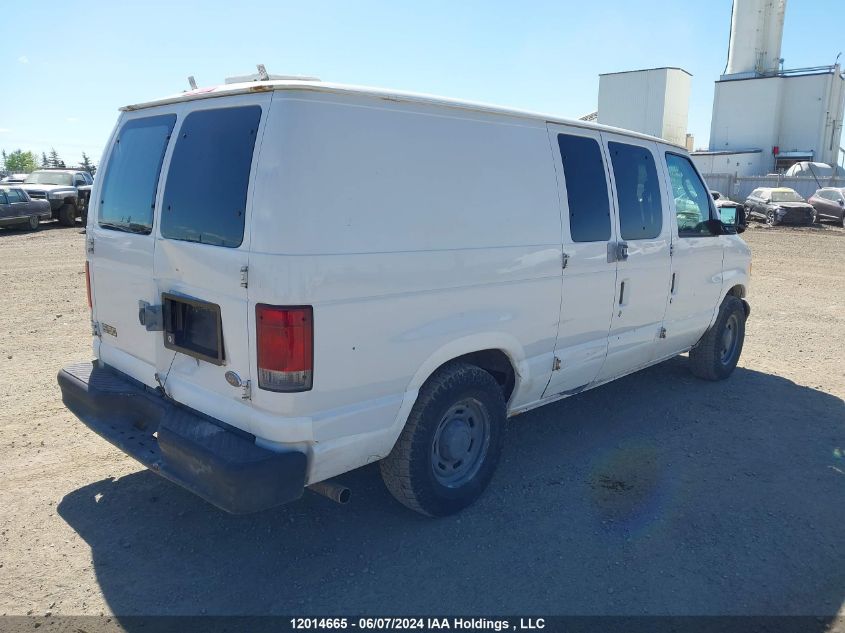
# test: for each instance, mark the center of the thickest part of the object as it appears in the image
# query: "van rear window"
(131, 176)
(205, 193)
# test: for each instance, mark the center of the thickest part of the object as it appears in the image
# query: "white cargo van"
(292, 279)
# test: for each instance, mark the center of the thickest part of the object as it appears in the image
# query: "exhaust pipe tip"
(332, 490)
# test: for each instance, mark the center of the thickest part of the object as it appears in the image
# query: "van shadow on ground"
(657, 493)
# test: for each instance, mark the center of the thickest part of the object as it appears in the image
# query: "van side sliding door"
(641, 253)
(589, 276)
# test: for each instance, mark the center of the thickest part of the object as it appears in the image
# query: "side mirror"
(731, 219)
(717, 227)
(841, 202)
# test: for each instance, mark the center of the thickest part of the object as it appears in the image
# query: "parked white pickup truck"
(67, 190)
(381, 276)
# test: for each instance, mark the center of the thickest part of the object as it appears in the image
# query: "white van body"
(420, 230)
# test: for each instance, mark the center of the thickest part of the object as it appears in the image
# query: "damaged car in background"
(779, 205)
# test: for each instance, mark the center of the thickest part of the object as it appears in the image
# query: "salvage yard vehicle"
(13, 179)
(829, 203)
(18, 210)
(66, 190)
(382, 276)
(779, 205)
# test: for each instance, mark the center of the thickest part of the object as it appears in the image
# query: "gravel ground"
(658, 493)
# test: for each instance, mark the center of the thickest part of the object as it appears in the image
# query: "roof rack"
(263, 75)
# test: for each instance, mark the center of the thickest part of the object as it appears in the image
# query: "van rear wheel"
(717, 353)
(450, 446)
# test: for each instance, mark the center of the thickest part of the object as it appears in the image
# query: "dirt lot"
(655, 494)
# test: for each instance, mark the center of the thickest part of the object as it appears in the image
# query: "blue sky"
(74, 64)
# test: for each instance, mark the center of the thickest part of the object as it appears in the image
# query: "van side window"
(586, 188)
(637, 191)
(692, 204)
(131, 178)
(205, 193)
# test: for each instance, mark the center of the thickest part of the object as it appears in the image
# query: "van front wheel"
(67, 215)
(450, 446)
(716, 355)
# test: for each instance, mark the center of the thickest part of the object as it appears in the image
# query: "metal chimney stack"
(756, 36)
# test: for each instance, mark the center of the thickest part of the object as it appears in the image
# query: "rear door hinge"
(671, 250)
(556, 364)
(564, 260)
(662, 333)
(89, 243)
(244, 276)
(95, 329)
(246, 390)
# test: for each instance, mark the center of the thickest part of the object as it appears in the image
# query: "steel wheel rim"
(730, 339)
(461, 442)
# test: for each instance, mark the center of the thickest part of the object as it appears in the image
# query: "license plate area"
(194, 328)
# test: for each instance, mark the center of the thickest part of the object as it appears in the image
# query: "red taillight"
(88, 284)
(285, 341)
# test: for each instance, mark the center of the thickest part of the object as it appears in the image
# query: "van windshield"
(129, 189)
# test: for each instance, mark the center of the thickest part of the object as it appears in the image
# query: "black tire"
(85, 216)
(32, 223)
(708, 359)
(410, 473)
(67, 215)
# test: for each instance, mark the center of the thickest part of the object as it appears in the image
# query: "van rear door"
(202, 255)
(121, 242)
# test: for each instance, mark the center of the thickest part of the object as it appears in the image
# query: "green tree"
(87, 165)
(3, 159)
(53, 160)
(44, 162)
(20, 161)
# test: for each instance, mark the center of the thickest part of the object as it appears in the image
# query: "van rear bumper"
(221, 464)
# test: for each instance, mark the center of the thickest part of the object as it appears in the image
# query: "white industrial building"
(765, 118)
(653, 101)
